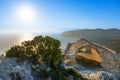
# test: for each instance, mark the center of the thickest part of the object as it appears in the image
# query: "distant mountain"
(93, 33)
(107, 37)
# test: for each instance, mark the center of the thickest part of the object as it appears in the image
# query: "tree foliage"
(40, 49)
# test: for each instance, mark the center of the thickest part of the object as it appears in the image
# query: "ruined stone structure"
(84, 53)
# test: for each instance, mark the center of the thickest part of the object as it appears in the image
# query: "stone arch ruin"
(84, 53)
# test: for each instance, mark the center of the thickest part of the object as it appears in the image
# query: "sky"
(49, 16)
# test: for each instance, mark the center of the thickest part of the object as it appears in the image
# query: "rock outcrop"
(10, 69)
(84, 54)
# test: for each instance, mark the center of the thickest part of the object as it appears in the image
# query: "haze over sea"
(8, 40)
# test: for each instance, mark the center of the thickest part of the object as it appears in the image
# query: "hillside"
(107, 37)
(94, 33)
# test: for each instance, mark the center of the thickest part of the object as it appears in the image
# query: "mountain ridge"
(93, 32)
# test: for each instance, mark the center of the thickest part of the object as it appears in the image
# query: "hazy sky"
(58, 15)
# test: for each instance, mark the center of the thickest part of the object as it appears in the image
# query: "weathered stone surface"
(21, 73)
(102, 75)
(10, 69)
(48, 69)
(49, 78)
(70, 77)
(1, 79)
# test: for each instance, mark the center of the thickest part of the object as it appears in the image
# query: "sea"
(9, 40)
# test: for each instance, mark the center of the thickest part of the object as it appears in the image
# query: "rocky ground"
(11, 69)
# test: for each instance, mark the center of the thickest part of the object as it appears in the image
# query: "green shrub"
(15, 51)
(45, 49)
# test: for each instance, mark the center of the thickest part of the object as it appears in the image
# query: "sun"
(26, 13)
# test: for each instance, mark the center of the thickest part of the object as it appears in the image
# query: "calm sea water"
(8, 40)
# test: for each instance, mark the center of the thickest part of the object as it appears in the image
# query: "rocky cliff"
(84, 54)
